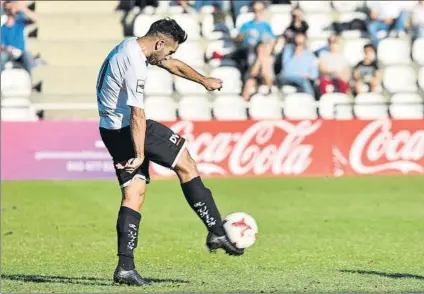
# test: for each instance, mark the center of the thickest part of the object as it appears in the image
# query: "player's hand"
(212, 84)
(133, 164)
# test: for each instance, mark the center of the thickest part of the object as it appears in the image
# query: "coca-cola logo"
(275, 147)
(378, 149)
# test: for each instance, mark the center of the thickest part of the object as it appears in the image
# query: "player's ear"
(160, 45)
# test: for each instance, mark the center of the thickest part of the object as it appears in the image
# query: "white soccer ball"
(241, 229)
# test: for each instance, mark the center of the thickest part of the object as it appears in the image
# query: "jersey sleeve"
(135, 81)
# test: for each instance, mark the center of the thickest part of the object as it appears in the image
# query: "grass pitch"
(315, 235)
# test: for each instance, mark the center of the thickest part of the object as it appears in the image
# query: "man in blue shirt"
(300, 65)
(257, 41)
(12, 34)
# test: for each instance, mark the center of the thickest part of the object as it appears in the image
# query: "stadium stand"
(73, 37)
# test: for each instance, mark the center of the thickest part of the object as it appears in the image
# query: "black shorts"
(162, 146)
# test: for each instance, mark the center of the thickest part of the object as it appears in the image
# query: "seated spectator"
(334, 69)
(257, 42)
(12, 34)
(217, 4)
(366, 74)
(417, 21)
(386, 16)
(185, 4)
(297, 25)
(300, 66)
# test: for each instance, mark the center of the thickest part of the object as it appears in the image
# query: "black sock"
(127, 230)
(201, 201)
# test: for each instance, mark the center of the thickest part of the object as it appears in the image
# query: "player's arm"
(134, 83)
(138, 130)
(181, 69)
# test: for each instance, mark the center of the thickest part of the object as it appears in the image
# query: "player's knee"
(186, 166)
(133, 196)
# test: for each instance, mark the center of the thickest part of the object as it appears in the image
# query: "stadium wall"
(61, 150)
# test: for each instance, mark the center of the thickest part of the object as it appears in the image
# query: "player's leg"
(133, 188)
(127, 229)
(200, 199)
(167, 148)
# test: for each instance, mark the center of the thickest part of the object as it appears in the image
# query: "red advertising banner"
(74, 150)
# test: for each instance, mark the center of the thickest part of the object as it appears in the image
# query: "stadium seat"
(288, 89)
(15, 82)
(190, 25)
(18, 114)
(243, 18)
(208, 27)
(229, 107)
(187, 87)
(353, 50)
(231, 77)
(142, 24)
(265, 107)
(320, 25)
(161, 108)
(421, 78)
(406, 106)
(15, 102)
(222, 47)
(159, 82)
(280, 8)
(392, 51)
(399, 78)
(370, 106)
(335, 106)
(194, 108)
(418, 51)
(191, 53)
(3, 19)
(300, 106)
(279, 22)
(347, 6)
(315, 6)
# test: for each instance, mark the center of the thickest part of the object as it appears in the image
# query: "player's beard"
(154, 58)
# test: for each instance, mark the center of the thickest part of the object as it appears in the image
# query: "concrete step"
(72, 80)
(72, 7)
(89, 27)
(62, 98)
(72, 53)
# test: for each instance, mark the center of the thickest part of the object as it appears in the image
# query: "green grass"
(315, 235)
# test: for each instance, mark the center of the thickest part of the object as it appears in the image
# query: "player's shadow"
(383, 274)
(88, 281)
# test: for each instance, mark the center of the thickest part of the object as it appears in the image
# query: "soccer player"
(133, 141)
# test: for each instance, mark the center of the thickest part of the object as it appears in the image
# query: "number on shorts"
(174, 138)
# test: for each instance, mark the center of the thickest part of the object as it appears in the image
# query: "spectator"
(218, 5)
(257, 42)
(334, 69)
(185, 4)
(417, 21)
(297, 25)
(300, 66)
(366, 74)
(12, 34)
(385, 16)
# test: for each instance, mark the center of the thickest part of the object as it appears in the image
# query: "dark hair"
(169, 28)
(369, 46)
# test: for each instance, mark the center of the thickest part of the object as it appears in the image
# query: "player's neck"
(143, 42)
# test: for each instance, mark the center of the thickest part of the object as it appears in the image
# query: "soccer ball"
(241, 229)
